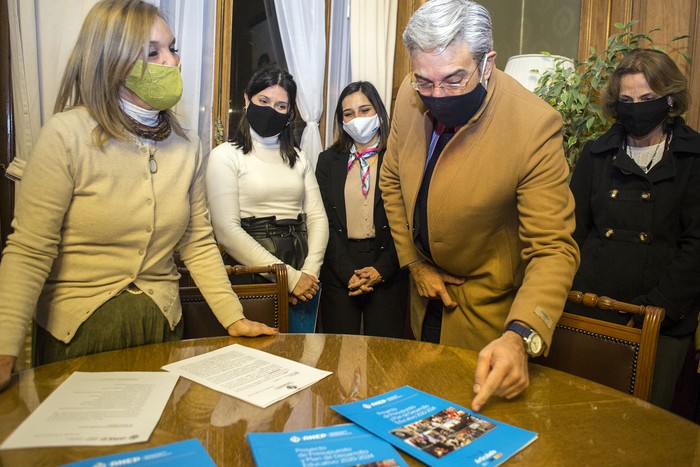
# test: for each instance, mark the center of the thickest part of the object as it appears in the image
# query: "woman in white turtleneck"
(113, 186)
(259, 182)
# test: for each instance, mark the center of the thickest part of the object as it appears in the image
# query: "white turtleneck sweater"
(262, 184)
(144, 116)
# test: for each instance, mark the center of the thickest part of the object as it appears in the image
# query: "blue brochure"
(337, 446)
(436, 431)
(189, 453)
(302, 316)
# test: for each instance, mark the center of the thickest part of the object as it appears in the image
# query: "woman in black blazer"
(363, 286)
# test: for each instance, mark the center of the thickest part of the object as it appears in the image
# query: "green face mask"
(160, 86)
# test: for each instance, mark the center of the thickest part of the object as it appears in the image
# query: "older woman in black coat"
(637, 191)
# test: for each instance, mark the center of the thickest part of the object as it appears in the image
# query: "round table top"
(579, 422)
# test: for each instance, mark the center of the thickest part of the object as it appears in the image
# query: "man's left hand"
(501, 370)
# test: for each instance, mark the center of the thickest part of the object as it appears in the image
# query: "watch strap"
(528, 335)
(518, 328)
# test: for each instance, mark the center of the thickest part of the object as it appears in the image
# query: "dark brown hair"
(661, 73)
(342, 141)
(262, 79)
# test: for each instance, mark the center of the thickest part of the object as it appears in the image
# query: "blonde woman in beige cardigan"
(114, 186)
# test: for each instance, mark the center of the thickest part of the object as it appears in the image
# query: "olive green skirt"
(126, 320)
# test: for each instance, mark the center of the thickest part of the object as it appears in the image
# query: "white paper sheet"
(252, 375)
(97, 409)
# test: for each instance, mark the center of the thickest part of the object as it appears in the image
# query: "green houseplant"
(574, 92)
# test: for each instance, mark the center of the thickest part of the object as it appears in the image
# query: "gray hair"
(439, 23)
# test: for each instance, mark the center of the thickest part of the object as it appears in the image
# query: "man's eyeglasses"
(428, 87)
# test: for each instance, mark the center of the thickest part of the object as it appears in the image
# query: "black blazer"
(338, 266)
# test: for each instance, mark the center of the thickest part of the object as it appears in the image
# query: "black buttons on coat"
(627, 236)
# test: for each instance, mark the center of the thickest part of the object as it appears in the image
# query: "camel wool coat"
(500, 212)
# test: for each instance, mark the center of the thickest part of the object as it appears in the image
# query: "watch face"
(536, 344)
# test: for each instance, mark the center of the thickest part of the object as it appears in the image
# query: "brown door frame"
(7, 192)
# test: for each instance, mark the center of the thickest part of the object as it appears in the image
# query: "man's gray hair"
(440, 23)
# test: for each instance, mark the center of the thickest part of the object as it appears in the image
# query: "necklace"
(152, 163)
(639, 155)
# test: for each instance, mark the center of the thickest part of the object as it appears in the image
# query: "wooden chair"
(267, 303)
(618, 356)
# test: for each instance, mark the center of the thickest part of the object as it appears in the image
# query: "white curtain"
(25, 89)
(302, 25)
(373, 37)
(193, 24)
(339, 73)
(42, 36)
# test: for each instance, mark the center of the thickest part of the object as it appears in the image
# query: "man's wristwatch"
(534, 345)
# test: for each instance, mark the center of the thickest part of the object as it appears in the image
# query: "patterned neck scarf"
(159, 132)
(361, 157)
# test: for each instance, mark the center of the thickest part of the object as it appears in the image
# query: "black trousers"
(380, 313)
(432, 323)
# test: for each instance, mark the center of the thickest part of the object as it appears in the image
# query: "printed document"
(254, 376)
(97, 409)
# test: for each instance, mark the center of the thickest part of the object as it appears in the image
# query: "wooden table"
(579, 422)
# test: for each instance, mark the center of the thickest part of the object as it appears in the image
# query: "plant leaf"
(575, 92)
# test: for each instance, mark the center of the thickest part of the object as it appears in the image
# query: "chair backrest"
(618, 356)
(266, 302)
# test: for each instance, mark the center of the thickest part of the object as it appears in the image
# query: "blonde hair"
(114, 35)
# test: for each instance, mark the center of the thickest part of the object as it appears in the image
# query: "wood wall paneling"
(677, 18)
(322, 121)
(402, 62)
(222, 71)
(598, 18)
(672, 20)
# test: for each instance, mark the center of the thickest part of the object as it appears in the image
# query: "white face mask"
(362, 129)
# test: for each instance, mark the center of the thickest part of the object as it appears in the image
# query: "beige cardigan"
(88, 222)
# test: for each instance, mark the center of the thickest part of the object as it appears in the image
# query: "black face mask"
(266, 121)
(454, 111)
(641, 118)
